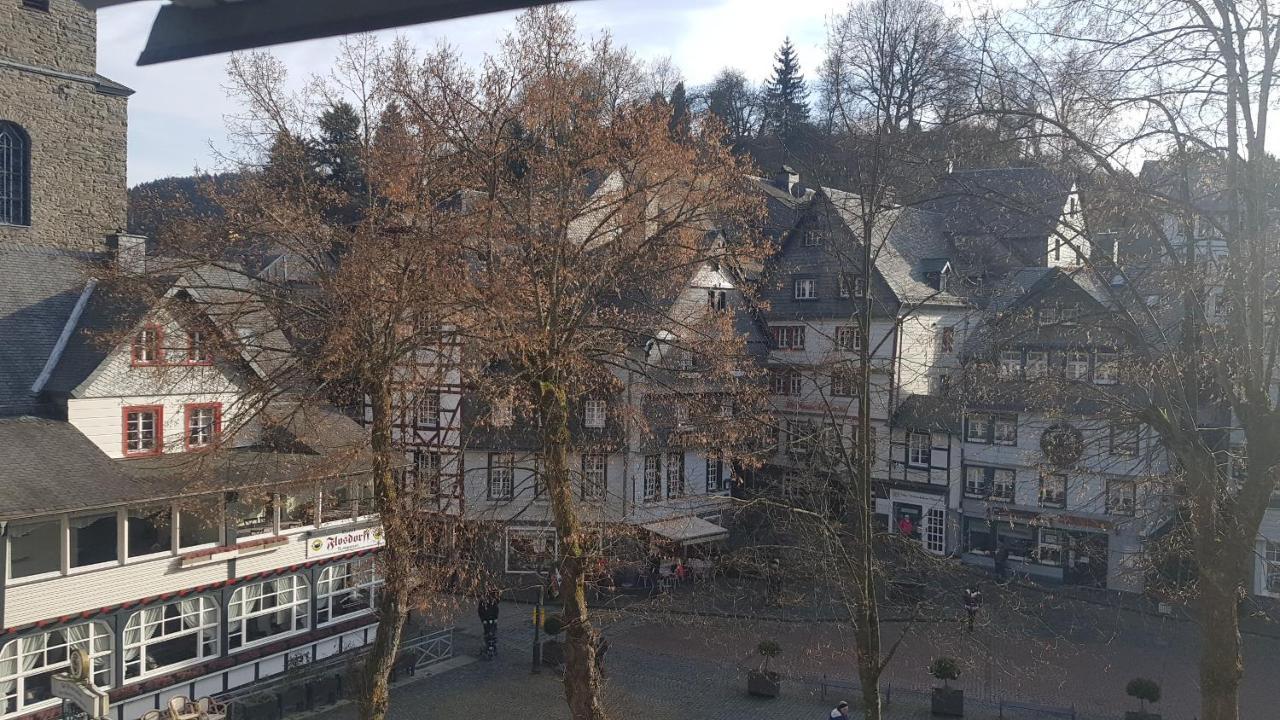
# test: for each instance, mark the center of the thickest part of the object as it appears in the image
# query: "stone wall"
(78, 158)
(64, 38)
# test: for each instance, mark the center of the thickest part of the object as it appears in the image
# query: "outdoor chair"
(211, 709)
(151, 715)
(180, 708)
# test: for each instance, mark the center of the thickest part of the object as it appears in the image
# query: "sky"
(176, 116)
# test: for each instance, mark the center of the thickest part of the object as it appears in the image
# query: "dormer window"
(810, 238)
(143, 430)
(197, 350)
(203, 424)
(806, 289)
(716, 299)
(146, 348)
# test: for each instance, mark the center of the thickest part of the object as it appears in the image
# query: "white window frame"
(788, 337)
(501, 475)
(97, 643)
(197, 349)
(1077, 365)
(200, 434)
(1272, 570)
(1047, 480)
(980, 422)
(914, 457)
(652, 487)
(975, 481)
(60, 522)
(1037, 365)
(805, 288)
(202, 609)
(674, 473)
(288, 594)
(1050, 545)
(1006, 422)
(784, 381)
(1012, 483)
(1106, 369)
(157, 430)
(934, 536)
(594, 412)
(845, 383)
(1011, 363)
(595, 476)
(715, 481)
(848, 338)
(352, 578)
(426, 409)
(1122, 497)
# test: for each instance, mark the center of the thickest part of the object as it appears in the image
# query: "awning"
(687, 530)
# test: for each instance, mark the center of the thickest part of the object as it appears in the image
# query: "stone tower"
(62, 129)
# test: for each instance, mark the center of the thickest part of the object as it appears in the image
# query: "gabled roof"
(1000, 202)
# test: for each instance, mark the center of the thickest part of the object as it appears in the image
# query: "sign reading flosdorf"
(344, 542)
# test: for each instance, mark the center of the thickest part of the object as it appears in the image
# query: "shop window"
(28, 664)
(1049, 550)
(165, 637)
(347, 589)
(35, 548)
(263, 611)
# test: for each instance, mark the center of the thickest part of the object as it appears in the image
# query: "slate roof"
(1001, 202)
(932, 413)
(50, 466)
(39, 287)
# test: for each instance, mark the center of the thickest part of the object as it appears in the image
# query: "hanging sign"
(344, 542)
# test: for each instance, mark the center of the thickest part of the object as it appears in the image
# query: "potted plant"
(552, 648)
(946, 699)
(1145, 690)
(763, 682)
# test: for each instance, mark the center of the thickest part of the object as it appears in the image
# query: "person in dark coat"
(488, 612)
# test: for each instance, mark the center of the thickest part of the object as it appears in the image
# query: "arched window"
(27, 665)
(15, 175)
(267, 610)
(170, 636)
(345, 590)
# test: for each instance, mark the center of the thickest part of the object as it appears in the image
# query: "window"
(345, 590)
(788, 337)
(1053, 490)
(848, 338)
(594, 413)
(1273, 568)
(148, 530)
(1005, 430)
(806, 289)
(948, 340)
(809, 238)
(200, 522)
(595, 475)
(977, 427)
(844, 383)
(1047, 315)
(800, 437)
(15, 173)
(146, 348)
(842, 285)
(530, 550)
(426, 470)
(715, 471)
(28, 664)
(143, 430)
(1121, 497)
(1037, 363)
(1069, 314)
(345, 501)
(1106, 370)
(682, 413)
(426, 409)
(652, 477)
(197, 348)
(784, 381)
(1049, 549)
(252, 513)
(164, 637)
(297, 507)
(1078, 365)
(675, 474)
(502, 414)
(204, 424)
(935, 530)
(501, 485)
(92, 539)
(1124, 439)
(851, 285)
(35, 548)
(989, 483)
(919, 448)
(266, 610)
(1011, 363)
(716, 299)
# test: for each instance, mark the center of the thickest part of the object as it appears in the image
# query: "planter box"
(948, 702)
(763, 684)
(1140, 715)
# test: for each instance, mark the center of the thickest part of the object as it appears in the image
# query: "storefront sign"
(337, 543)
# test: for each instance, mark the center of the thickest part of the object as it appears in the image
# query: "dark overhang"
(192, 28)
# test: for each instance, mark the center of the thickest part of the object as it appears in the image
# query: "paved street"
(1031, 647)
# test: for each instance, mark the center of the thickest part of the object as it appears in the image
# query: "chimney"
(786, 178)
(131, 252)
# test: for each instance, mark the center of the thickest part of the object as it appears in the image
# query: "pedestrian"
(840, 711)
(972, 601)
(906, 527)
(1002, 564)
(488, 612)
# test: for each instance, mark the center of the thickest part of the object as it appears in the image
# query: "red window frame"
(159, 430)
(157, 347)
(192, 346)
(186, 424)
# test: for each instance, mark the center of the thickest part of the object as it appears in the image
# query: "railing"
(430, 648)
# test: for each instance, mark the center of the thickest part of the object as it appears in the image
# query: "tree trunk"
(1221, 666)
(581, 682)
(395, 561)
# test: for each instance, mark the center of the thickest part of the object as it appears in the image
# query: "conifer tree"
(786, 106)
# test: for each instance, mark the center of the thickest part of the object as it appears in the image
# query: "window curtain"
(8, 669)
(95, 641)
(204, 613)
(142, 626)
